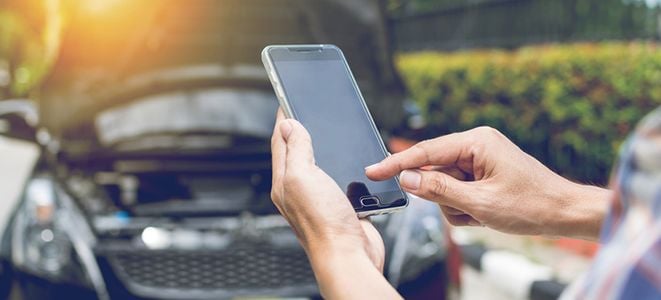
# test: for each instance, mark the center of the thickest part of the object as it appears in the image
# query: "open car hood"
(120, 51)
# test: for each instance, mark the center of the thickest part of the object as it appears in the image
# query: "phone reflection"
(355, 190)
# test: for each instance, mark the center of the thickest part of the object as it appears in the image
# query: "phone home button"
(369, 201)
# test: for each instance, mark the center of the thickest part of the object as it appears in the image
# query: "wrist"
(339, 267)
(329, 252)
(582, 212)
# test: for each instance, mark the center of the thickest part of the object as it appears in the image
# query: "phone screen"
(322, 96)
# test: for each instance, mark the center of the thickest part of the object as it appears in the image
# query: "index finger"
(445, 150)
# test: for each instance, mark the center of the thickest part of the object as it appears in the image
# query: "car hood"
(121, 51)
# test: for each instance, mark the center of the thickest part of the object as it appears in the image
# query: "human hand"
(479, 177)
(314, 205)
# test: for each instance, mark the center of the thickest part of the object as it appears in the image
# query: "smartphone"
(315, 86)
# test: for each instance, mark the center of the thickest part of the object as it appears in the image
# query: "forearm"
(585, 210)
(348, 273)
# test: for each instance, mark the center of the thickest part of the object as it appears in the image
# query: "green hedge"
(570, 106)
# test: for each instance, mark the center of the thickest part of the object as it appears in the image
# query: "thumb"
(436, 186)
(299, 143)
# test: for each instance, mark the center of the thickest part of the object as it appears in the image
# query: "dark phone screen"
(322, 97)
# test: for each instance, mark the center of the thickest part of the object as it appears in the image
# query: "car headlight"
(51, 238)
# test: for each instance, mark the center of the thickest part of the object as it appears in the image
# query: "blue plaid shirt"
(628, 266)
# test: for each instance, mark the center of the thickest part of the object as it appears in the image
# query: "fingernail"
(410, 179)
(285, 129)
(371, 166)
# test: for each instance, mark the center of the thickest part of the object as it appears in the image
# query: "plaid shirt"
(628, 266)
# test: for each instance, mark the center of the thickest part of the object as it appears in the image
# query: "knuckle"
(422, 147)
(436, 185)
(489, 132)
(422, 144)
(484, 137)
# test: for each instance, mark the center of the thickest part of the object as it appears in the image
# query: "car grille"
(238, 271)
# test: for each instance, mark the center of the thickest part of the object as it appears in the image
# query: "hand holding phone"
(315, 86)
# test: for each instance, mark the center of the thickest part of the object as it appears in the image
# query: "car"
(154, 172)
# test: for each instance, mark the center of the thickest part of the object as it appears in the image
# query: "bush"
(570, 106)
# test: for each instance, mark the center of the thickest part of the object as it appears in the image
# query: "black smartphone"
(316, 87)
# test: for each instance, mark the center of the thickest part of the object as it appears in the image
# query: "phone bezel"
(269, 65)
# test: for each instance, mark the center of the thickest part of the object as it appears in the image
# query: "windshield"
(187, 119)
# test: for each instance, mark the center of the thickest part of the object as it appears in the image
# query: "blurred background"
(134, 135)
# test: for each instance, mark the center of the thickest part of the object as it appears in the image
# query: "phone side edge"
(273, 78)
(385, 211)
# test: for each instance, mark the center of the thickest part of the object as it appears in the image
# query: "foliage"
(570, 106)
(30, 33)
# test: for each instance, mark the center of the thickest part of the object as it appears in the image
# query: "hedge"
(570, 106)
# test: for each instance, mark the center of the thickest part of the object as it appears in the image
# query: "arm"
(349, 274)
(479, 177)
(587, 207)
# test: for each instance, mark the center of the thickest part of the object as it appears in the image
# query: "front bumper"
(238, 272)
(256, 271)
